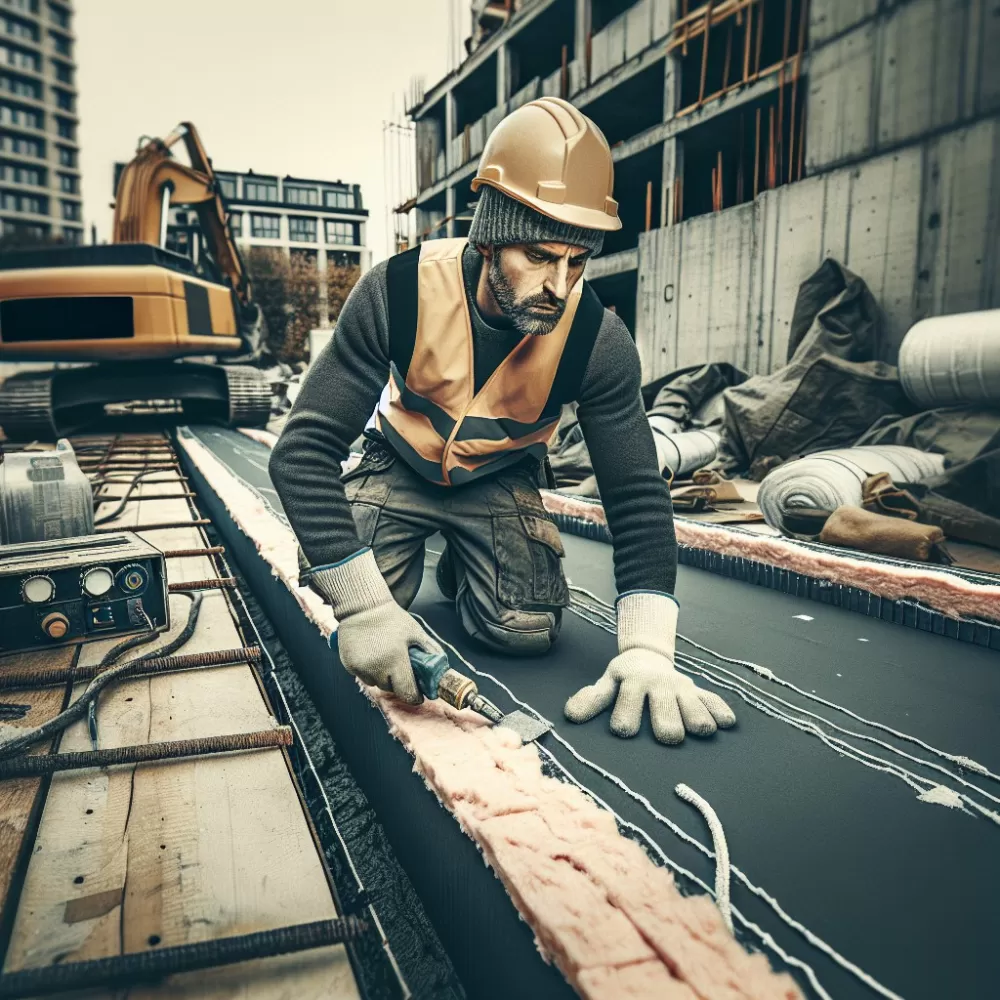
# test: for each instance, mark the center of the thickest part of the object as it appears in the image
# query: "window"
(235, 224)
(301, 195)
(20, 29)
(66, 128)
(21, 59)
(61, 44)
(16, 174)
(13, 201)
(67, 157)
(338, 199)
(58, 16)
(23, 146)
(260, 190)
(28, 6)
(74, 236)
(64, 73)
(69, 184)
(265, 227)
(21, 86)
(25, 117)
(227, 185)
(71, 211)
(340, 232)
(64, 99)
(302, 230)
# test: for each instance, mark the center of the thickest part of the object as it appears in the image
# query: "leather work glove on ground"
(374, 634)
(644, 669)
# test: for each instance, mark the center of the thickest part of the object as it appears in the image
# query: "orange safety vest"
(430, 412)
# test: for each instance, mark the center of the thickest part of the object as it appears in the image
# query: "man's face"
(532, 281)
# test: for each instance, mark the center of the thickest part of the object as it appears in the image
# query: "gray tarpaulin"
(835, 385)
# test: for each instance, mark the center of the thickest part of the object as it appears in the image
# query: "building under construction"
(751, 140)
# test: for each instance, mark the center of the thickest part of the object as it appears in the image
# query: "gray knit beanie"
(501, 220)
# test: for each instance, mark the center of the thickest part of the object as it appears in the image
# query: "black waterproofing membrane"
(904, 889)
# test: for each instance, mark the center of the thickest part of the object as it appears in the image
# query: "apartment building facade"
(39, 154)
(325, 220)
(751, 140)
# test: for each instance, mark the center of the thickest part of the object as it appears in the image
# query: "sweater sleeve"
(635, 495)
(337, 397)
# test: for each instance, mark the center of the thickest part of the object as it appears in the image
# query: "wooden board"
(20, 799)
(132, 858)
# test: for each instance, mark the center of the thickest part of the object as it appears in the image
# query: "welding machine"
(79, 589)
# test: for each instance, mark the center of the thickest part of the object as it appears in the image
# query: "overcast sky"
(295, 87)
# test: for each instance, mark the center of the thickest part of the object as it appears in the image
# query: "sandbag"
(832, 479)
(952, 360)
(851, 527)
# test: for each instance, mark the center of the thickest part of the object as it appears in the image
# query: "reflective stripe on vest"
(433, 417)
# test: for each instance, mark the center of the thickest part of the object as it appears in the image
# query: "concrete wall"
(916, 68)
(920, 225)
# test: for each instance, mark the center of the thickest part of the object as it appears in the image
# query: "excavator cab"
(128, 313)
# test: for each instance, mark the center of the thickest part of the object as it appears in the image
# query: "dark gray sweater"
(343, 387)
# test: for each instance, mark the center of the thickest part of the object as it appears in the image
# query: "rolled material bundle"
(832, 479)
(685, 451)
(951, 360)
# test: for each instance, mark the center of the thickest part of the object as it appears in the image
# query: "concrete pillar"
(581, 29)
(449, 211)
(449, 131)
(672, 168)
(503, 76)
(671, 148)
(324, 296)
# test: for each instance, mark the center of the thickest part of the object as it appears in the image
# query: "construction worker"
(469, 349)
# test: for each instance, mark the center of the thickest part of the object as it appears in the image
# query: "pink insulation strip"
(948, 594)
(612, 921)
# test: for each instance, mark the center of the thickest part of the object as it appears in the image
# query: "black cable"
(81, 707)
(104, 518)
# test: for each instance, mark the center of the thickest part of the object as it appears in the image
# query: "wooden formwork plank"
(132, 858)
(19, 798)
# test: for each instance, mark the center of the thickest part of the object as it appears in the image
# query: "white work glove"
(374, 633)
(644, 668)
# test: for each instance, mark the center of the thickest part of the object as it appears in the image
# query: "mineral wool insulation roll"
(684, 452)
(832, 479)
(950, 360)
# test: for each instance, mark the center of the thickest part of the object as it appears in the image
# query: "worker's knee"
(515, 633)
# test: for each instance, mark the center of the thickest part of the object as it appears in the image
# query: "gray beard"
(524, 321)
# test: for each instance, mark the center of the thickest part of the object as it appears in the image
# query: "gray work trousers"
(504, 553)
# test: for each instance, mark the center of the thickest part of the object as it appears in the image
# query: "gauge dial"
(132, 579)
(37, 590)
(97, 581)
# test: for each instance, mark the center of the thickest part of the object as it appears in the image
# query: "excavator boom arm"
(154, 181)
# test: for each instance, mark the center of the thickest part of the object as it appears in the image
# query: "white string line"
(720, 847)
(816, 941)
(959, 759)
(924, 787)
(764, 702)
(840, 729)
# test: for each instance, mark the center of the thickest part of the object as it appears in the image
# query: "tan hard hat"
(551, 156)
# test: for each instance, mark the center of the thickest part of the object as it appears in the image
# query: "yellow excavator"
(135, 308)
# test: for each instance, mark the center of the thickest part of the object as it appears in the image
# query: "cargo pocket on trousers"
(366, 517)
(529, 553)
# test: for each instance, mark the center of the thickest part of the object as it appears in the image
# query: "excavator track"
(249, 396)
(45, 406)
(26, 411)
